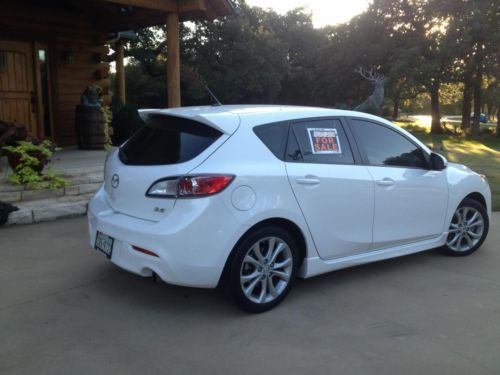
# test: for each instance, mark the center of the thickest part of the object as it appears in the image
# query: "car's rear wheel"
(262, 269)
(468, 229)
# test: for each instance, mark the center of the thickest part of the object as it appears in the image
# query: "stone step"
(49, 209)
(79, 184)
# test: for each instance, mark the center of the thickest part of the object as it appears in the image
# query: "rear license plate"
(104, 243)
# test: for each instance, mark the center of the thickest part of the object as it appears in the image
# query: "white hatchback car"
(252, 196)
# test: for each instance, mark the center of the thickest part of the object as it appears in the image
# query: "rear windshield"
(167, 140)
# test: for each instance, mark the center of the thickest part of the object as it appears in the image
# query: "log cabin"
(51, 50)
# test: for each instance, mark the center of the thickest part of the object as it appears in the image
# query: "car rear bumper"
(192, 248)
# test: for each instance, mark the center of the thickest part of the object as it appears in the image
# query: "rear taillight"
(189, 186)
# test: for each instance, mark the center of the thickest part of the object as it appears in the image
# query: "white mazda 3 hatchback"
(250, 197)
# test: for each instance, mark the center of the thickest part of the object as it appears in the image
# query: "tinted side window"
(274, 137)
(167, 140)
(319, 141)
(384, 146)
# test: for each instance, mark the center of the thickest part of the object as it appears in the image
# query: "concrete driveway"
(64, 309)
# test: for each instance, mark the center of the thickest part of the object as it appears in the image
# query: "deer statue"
(376, 99)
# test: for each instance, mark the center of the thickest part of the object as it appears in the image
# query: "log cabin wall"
(76, 55)
(71, 80)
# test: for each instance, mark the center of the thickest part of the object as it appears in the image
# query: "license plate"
(104, 243)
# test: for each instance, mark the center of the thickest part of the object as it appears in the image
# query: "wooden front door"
(17, 89)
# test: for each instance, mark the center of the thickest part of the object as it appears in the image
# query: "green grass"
(481, 155)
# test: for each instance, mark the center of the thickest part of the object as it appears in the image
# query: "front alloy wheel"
(468, 229)
(262, 269)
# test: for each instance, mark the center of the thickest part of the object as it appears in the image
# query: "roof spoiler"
(226, 125)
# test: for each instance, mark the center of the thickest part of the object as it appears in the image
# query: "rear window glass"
(167, 140)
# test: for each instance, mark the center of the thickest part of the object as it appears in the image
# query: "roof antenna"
(214, 98)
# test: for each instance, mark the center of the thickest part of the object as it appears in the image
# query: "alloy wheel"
(266, 270)
(466, 229)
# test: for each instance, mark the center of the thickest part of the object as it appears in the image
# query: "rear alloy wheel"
(468, 229)
(263, 269)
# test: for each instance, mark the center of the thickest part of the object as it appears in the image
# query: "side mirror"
(438, 162)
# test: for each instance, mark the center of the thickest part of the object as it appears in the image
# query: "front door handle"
(308, 181)
(385, 182)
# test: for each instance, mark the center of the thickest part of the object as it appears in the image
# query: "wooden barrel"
(90, 128)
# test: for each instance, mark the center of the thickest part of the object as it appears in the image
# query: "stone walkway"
(82, 169)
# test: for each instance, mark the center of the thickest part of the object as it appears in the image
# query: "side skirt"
(316, 266)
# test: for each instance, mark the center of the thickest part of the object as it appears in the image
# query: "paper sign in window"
(324, 141)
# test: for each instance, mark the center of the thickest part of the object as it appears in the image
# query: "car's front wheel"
(468, 229)
(262, 269)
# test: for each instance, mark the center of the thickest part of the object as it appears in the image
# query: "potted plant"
(28, 159)
(34, 153)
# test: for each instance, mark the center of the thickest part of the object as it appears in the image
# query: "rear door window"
(167, 140)
(319, 141)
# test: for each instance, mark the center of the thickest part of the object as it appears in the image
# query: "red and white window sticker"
(324, 141)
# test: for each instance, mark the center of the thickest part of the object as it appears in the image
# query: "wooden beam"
(165, 5)
(133, 20)
(173, 61)
(162, 5)
(209, 11)
(187, 6)
(120, 72)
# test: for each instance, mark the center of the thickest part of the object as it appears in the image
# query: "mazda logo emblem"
(115, 181)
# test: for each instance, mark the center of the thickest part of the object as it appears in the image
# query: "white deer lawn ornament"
(376, 99)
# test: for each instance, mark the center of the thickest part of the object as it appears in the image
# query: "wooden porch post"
(120, 72)
(173, 61)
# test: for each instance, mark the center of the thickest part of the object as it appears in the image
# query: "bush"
(126, 121)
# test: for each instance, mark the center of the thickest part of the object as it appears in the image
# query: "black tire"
(474, 206)
(237, 268)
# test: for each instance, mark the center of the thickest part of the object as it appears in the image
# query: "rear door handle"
(385, 182)
(308, 181)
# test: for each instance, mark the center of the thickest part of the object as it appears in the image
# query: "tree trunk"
(436, 117)
(466, 103)
(477, 100)
(395, 110)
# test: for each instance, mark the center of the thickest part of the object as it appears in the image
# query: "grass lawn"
(482, 155)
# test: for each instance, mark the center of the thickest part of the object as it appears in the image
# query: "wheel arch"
(286, 224)
(478, 197)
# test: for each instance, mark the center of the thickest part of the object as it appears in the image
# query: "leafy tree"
(240, 58)
(429, 51)
(474, 37)
(303, 41)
